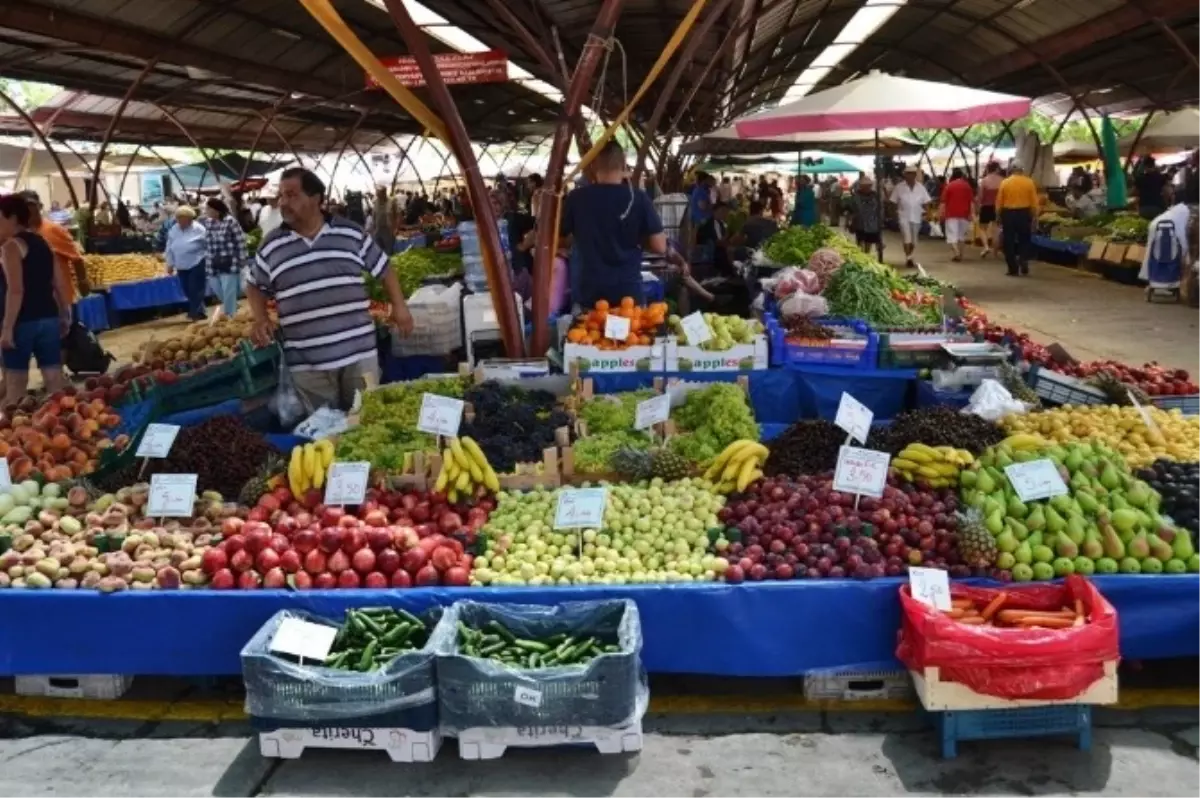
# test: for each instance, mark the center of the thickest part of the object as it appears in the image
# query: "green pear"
(1114, 547)
(995, 523)
(1092, 547)
(1005, 561)
(1019, 530)
(1088, 469)
(993, 505)
(1017, 508)
(1035, 539)
(1193, 563)
(1021, 572)
(975, 499)
(1159, 548)
(1084, 565)
(1175, 566)
(1139, 547)
(1182, 545)
(1025, 456)
(1125, 520)
(1043, 571)
(1063, 566)
(1152, 565)
(1079, 482)
(1065, 547)
(967, 479)
(1129, 565)
(1107, 565)
(1139, 495)
(1036, 520)
(1061, 503)
(1110, 477)
(1005, 542)
(1117, 501)
(1076, 528)
(1043, 554)
(1023, 554)
(983, 481)
(1003, 459)
(1073, 460)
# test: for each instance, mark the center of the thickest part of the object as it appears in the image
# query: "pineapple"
(668, 465)
(260, 483)
(632, 464)
(976, 545)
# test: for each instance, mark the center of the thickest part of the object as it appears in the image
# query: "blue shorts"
(38, 338)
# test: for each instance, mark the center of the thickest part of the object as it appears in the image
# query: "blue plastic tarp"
(146, 294)
(774, 393)
(190, 418)
(928, 397)
(760, 630)
(1055, 245)
(92, 313)
(820, 388)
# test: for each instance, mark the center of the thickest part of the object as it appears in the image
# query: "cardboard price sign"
(930, 586)
(440, 415)
(616, 328)
(157, 440)
(854, 417)
(580, 508)
(654, 410)
(861, 471)
(303, 639)
(347, 483)
(696, 328)
(1037, 479)
(171, 496)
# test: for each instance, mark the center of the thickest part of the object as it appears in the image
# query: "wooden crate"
(1114, 253)
(419, 475)
(1136, 253)
(526, 476)
(939, 696)
(1097, 250)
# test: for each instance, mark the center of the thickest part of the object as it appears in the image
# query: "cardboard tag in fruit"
(1037, 479)
(5, 477)
(580, 507)
(171, 496)
(347, 483)
(303, 639)
(854, 417)
(1141, 408)
(861, 471)
(654, 410)
(157, 440)
(930, 586)
(440, 415)
(696, 328)
(527, 696)
(616, 328)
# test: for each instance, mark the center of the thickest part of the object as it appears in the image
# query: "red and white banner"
(490, 66)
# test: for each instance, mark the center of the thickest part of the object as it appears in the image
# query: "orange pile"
(643, 324)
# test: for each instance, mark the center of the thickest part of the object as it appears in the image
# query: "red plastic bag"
(1013, 663)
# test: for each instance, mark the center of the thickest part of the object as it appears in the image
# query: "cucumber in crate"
(533, 676)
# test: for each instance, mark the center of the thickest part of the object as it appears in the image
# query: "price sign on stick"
(654, 410)
(5, 477)
(346, 483)
(861, 471)
(616, 328)
(1037, 479)
(440, 415)
(303, 639)
(1141, 408)
(581, 507)
(158, 440)
(696, 328)
(930, 586)
(854, 417)
(171, 496)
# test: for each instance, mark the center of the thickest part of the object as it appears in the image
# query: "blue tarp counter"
(766, 629)
(145, 294)
(1076, 248)
(92, 313)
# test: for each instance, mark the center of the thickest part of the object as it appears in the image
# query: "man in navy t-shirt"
(610, 222)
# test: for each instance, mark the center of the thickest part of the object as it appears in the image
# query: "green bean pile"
(860, 294)
(495, 642)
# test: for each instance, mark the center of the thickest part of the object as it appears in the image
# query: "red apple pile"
(396, 539)
(803, 529)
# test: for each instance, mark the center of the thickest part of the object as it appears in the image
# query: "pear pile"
(1108, 521)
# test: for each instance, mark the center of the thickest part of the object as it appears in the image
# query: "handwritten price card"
(347, 483)
(158, 440)
(654, 410)
(303, 639)
(1037, 479)
(861, 471)
(171, 496)
(854, 417)
(580, 508)
(696, 328)
(440, 415)
(616, 328)
(930, 586)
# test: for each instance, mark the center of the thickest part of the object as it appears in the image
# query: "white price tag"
(158, 440)
(930, 586)
(171, 496)
(346, 483)
(1037, 479)
(580, 507)
(854, 417)
(696, 328)
(5, 477)
(1141, 408)
(527, 696)
(303, 639)
(861, 471)
(440, 415)
(654, 410)
(616, 328)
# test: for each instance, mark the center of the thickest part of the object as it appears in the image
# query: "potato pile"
(199, 343)
(106, 270)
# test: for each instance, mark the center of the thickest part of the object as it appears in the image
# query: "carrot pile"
(967, 611)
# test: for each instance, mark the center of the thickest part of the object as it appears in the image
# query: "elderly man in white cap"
(185, 254)
(910, 198)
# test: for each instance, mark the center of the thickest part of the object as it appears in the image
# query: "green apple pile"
(727, 331)
(1108, 521)
(653, 532)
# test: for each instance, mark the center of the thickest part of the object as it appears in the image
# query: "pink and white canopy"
(881, 101)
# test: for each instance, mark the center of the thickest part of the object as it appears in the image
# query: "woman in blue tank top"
(36, 314)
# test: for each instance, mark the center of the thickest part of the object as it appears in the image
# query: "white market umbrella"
(1173, 132)
(726, 141)
(882, 101)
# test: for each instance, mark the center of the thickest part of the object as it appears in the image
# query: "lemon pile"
(1171, 435)
(106, 270)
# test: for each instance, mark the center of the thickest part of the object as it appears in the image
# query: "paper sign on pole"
(1037, 479)
(854, 417)
(696, 328)
(303, 639)
(5, 477)
(347, 483)
(157, 440)
(930, 586)
(861, 471)
(171, 496)
(1141, 408)
(440, 415)
(654, 410)
(580, 507)
(616, 328)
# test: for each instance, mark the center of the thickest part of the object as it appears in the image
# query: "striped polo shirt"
(319, 290)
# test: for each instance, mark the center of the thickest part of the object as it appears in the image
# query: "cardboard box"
(741, 357)
(589, 359)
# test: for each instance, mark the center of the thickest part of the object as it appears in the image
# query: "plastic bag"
(287, 404)
(935, 230)
(992, 401)
(279, 688)
(610, 691)
(1031, 663)
(799, 304)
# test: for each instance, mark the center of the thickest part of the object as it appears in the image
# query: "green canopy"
(826, 164)
(1114, 174)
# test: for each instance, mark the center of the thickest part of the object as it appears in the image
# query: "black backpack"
(82, 353)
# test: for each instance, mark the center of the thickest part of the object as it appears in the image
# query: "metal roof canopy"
(232, 63)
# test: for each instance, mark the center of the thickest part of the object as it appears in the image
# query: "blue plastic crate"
(787, 354)
(1060, 720)
(1188, 405)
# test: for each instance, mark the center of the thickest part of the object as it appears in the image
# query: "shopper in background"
(725, 191)
(866, 216)
(758, 227)
(989, 186)
(957, 202)
(1150, 183)
(910, 198)
(1017, 204)
(37, 313)
(67, 257)
(185, 253)
(805, 212)
(226, 254)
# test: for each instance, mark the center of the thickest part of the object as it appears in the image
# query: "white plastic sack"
(799, 304)
(935, 230)
(992, 401)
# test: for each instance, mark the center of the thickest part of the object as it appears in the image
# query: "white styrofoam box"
(650, 359)
(491, 743)
(401, 745)
(437, 322)
(480, 322)
(939, 696)
(741, 357)
(103, 686)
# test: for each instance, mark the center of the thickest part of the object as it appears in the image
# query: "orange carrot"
(954, 612)
(973, 620)
(962, 603)
(1079, 607)
(1047, 623)
(1012, 616)
(992, 608)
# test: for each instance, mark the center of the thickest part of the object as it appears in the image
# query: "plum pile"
(1179, 485)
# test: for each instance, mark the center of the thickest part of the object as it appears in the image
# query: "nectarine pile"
(62, 438)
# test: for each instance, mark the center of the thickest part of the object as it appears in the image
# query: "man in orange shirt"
(67, 257)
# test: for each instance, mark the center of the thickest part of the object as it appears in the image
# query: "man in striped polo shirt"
(313, 266)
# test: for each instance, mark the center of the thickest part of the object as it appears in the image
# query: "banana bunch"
(464, 466)
(937, 465)
(737, 466)
(309, 465)
(1024, 441)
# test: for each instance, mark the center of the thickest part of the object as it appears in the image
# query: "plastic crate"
(399, 743)
(437, 322)
(859, 352)
(914, 350)
(1072, 720)
(856, 685)
(1061, 389)
(492, 743)
(1188, 405)
(104, 687)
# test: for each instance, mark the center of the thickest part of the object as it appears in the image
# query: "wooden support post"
(112, 127)
(342, 150)
(125, 174)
